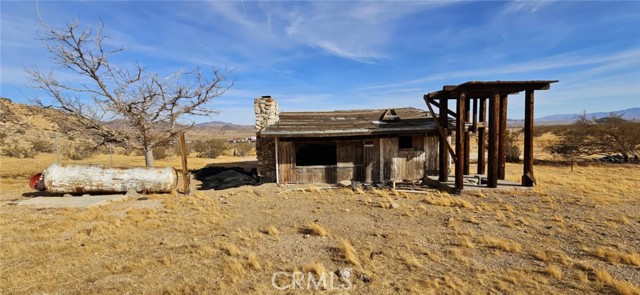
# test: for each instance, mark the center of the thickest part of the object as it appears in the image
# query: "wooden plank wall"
(349, 164)
(431, 154)
(360, 163)
(286, 161)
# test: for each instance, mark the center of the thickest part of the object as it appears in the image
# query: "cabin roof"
(350, 123)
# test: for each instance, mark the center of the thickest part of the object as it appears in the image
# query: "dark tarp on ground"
(219, 178)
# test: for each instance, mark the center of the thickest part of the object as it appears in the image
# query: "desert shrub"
(160, 153)
(15, 150)
(175, 147)
(610, 135)
(243, 149)
(512, 148)
(43, 145)
(211, 148)
(80, 151)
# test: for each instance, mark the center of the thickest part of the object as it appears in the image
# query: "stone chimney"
(266, 109)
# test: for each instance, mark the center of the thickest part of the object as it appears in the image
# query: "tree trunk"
(148, 156)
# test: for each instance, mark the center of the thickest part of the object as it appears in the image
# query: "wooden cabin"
(381, 145)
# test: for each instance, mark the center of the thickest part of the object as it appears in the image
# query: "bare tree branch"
(122, 104)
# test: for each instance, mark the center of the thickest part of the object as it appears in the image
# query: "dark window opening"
(405, 142)
(411, 142)
(311, 154)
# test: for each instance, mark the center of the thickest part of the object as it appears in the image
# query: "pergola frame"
(474, 119)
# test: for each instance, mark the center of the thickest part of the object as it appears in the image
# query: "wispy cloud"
(520, 6)
(564, 60)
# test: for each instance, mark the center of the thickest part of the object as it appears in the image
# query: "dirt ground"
(576, 232)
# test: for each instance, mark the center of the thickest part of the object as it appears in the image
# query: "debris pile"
(219, 178)
(618, 159)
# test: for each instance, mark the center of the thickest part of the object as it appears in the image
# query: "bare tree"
(121, 104)
(593, 136)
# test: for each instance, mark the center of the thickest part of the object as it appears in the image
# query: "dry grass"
(621, 287)
(446, 200)
(554, 271)
(318, 230)
(315, 268)
(410, 260)
(466, 242)
(499, 243)
(614, 256)
(272, 231)
(349, 252)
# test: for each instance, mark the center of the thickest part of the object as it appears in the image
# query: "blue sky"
(355, 54)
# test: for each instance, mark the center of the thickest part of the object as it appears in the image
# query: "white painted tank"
(76, 178)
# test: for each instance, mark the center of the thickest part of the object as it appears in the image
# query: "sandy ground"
(577, 232)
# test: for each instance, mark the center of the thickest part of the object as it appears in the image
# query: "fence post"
(186, 178)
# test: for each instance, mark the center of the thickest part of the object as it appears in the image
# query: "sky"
(334, 55)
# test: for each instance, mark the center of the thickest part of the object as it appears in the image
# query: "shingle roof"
(348, 123)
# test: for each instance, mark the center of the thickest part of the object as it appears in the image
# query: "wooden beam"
(460, 141)
(482, 135)
(277, 143)
(475, 115)
(433, 102)
(527, 174)
(441, 131)
(443, 156)
(494, 116)
(467, 138)
(502, 137)
(186, 177)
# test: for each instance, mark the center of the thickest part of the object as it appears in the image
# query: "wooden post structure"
(502, 140)
(474, 126)
(186, 178)
(482, 131)
(460, 141)
(494, 116)
(443, 161)
(467, 137)
(527, 174)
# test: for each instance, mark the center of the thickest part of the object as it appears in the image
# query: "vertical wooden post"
(460, 140)
(381, 160)
(527, 174)
(475, 115)
(502, 137)
(186, 178)
(443, 154)
(467, 138)
(277, 143)
(482, 133)
(492, 173)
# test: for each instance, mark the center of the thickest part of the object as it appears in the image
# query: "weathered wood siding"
(370, 162)
(431, 150)
(359, 163)
(349, 165)
(286, 161)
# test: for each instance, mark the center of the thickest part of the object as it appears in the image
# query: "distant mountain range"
(629, 114)
(221, 124)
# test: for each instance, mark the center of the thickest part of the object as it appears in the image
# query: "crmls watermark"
(340, 280)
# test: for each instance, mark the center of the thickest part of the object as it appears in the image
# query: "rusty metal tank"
(78, 178)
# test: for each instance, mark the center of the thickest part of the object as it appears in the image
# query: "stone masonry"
(266, 110)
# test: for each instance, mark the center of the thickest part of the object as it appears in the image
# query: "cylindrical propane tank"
(76, 178)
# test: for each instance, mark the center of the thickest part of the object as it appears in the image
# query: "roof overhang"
(429, 127)
(484, 89)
